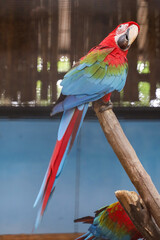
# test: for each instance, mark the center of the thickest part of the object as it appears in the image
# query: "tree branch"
(129, 160)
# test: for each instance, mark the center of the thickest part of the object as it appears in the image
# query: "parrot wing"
(97, 212)
(94, 75)
(113, 222)
(91, 79)
(110, 222)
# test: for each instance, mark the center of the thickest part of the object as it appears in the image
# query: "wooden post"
(138, 213)
(129, 160)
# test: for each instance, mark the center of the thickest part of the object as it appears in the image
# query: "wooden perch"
(129, 160)
(138, 213)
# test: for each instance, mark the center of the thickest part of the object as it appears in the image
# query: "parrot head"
(123, 35)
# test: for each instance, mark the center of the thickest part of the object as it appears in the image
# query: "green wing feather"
(93, 75)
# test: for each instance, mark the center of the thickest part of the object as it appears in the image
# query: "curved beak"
(126, 39)
(132, 32)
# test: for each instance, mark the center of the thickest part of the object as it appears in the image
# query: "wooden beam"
(138, 213)
(54, 236)
(129, 160)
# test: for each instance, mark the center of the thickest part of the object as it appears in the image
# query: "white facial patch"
(122, 28)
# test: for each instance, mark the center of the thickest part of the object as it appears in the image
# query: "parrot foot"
(106, 106)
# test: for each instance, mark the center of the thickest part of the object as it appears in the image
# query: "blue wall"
(25, 150)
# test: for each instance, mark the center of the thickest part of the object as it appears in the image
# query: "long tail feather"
(69, 127)
(87, 219)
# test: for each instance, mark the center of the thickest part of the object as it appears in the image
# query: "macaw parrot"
(97, 75)
(111, 223)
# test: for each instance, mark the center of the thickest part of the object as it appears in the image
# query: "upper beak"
(125, 40)
(132, 33)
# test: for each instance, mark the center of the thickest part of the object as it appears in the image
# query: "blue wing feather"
(89, 81)
(94, 91)
(92, 79)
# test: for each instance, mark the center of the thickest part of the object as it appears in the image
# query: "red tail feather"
(76, 126)
(57, 157)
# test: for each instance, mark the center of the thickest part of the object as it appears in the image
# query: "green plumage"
(96, 73)
(110, 222)
(117, 70)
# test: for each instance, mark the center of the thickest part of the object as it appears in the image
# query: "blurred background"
(41, 39)
(39, 42)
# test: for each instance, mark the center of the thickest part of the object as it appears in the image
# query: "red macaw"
(111, 223)
(97, 75)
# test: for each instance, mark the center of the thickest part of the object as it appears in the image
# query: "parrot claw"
(106, 106)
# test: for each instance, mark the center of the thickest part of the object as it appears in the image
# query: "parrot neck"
(110, 42)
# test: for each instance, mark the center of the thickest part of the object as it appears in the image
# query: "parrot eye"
(120, 27)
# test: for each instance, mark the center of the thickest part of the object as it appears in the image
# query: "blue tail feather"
(66, 118)
(83, 236)
(41, 190)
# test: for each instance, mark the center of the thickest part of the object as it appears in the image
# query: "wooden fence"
(39, 37)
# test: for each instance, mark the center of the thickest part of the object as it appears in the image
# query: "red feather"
(58, 155)
(106, 97)
(75, 129)
(114, 219)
